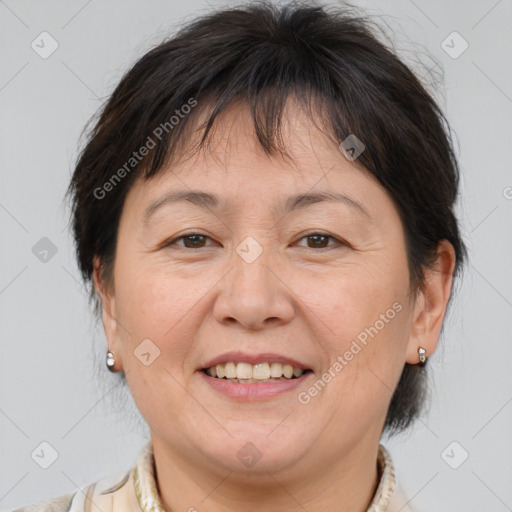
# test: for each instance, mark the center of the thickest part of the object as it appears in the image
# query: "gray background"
(53, 385)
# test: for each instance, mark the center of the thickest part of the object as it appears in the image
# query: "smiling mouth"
(254, 373)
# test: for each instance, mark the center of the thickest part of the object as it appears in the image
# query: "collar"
(149, 501)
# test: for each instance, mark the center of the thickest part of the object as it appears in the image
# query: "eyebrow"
(213, 202)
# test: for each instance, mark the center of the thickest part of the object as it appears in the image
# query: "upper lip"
(243, 357)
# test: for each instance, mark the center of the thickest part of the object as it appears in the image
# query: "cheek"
(366, 367)
(152, 308)
(368, 314)
(156, 302)
(366, 302)
(150, 299)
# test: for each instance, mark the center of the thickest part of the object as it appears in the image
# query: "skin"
(297, 298)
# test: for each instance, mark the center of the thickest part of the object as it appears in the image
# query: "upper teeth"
(260, 371)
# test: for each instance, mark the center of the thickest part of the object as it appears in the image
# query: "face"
(321, 284)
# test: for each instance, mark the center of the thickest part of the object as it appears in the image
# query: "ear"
(431, 303)
(110, 325)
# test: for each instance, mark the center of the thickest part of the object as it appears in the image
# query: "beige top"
(135, 491)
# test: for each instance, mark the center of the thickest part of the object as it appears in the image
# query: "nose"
(254, 296)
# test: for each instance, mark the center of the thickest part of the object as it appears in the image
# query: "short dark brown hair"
(330, 60)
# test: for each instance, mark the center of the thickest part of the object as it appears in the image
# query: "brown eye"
(321, 241)
(195, 241)
(192, 241)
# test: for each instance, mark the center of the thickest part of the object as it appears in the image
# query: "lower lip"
(253, 391)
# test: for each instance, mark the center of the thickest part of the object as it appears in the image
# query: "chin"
(258, 450)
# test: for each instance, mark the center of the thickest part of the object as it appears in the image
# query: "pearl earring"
(110, 361)
(423, 355)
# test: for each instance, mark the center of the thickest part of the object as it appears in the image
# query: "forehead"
(300, 137)
(232, 145)
(233, 168)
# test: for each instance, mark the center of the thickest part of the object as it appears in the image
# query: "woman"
(265, 211)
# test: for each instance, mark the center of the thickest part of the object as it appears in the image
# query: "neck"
(346, 483)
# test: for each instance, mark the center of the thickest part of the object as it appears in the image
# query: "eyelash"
(307, 235)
